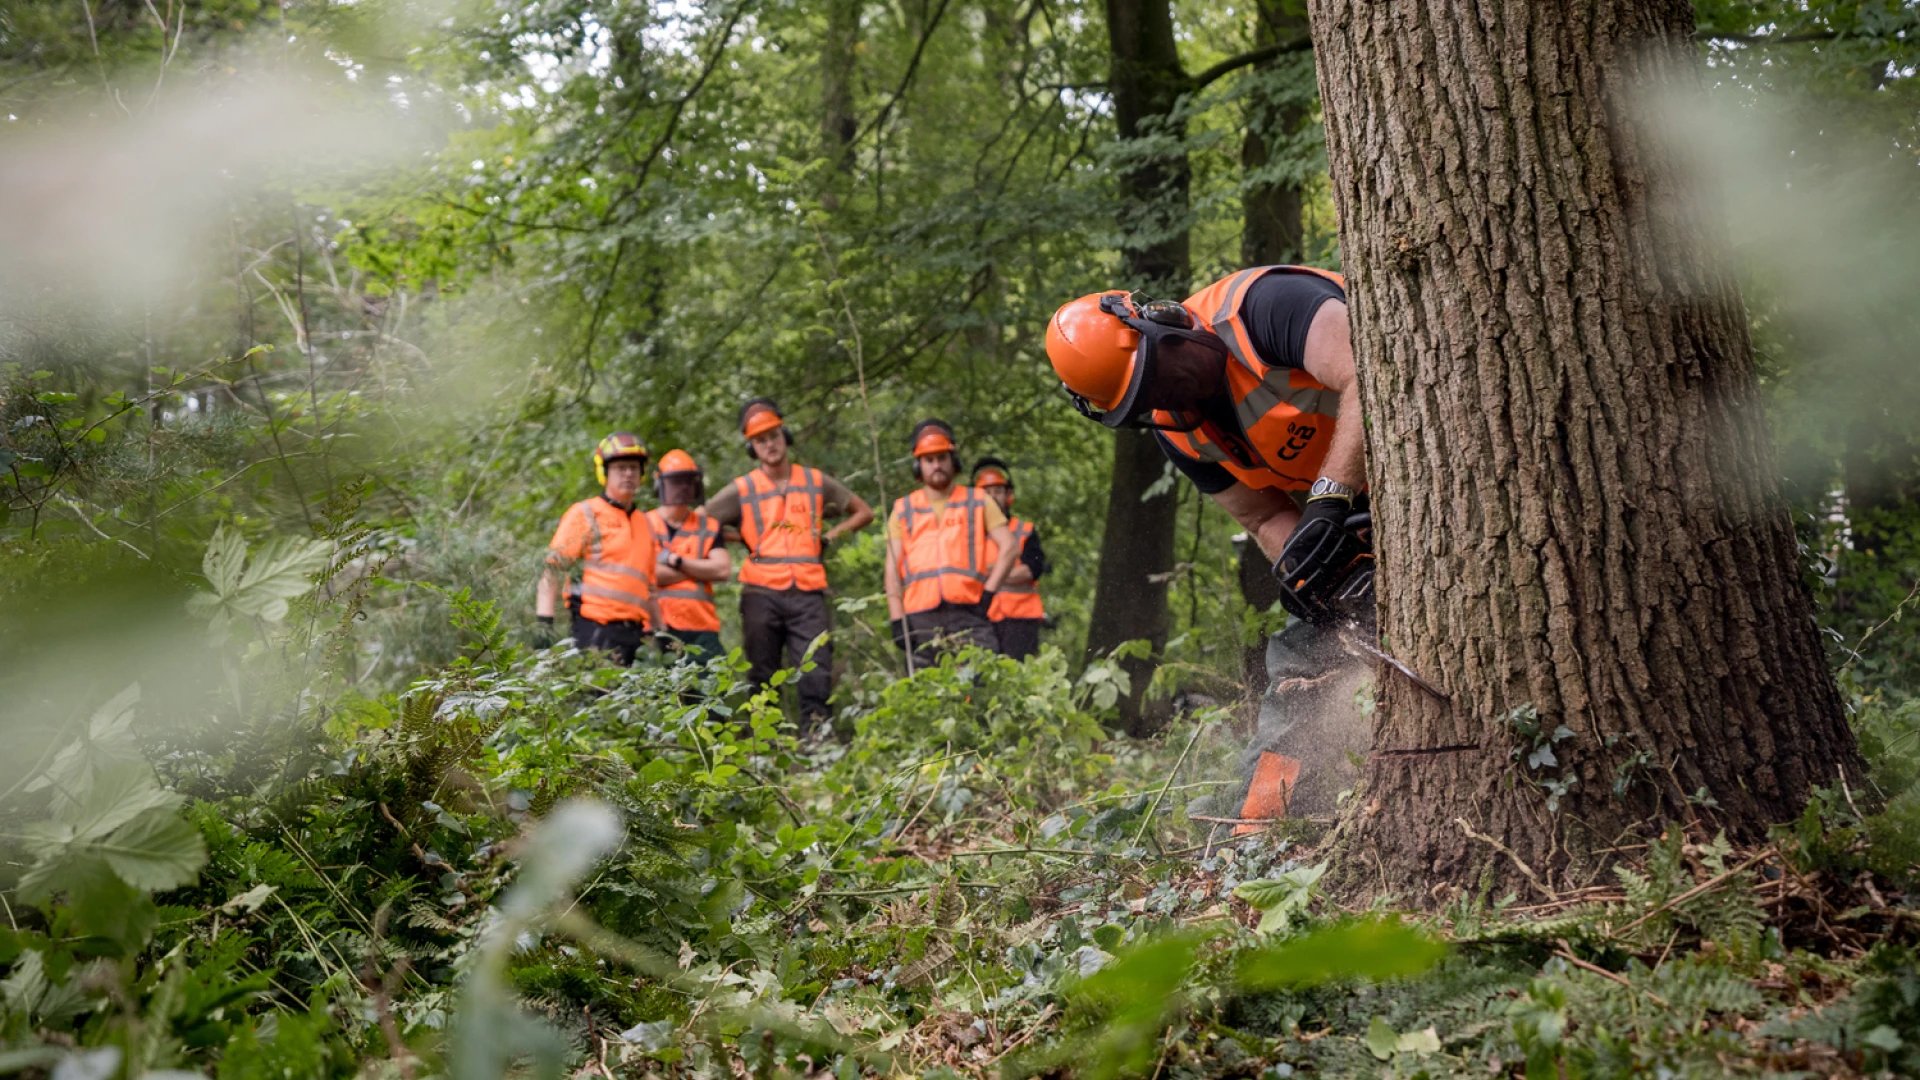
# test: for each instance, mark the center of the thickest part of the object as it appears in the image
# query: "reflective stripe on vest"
(687, 605)
(944, 557)
(1286, 416)
(780, 524)
(613, 588)
(1015, 601)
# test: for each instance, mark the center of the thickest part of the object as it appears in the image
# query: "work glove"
(1328, 547)
(986, 603)
(541, 636)
(900, 634)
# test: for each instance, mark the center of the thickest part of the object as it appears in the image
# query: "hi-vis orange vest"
(1286, 414)
(1014, 601)
(781, 528)
(687, 605)
(614, 550)
(945, 556)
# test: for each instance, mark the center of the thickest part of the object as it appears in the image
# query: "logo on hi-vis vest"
(1299, 436)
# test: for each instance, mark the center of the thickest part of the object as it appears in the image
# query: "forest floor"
(528, 863)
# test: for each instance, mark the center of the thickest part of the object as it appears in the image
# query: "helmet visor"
(1156, 337)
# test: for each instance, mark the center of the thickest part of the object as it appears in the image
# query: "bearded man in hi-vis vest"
(779, 511)
(1249, 388)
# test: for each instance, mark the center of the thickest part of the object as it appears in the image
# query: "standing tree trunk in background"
(1274, 230)
(1136, 550)
(838, 126)
(1577, 508)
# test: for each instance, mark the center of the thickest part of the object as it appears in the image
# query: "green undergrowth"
(529, 864)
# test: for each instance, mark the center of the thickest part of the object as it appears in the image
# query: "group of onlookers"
(959, 569)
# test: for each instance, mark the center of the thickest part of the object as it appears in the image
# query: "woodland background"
(345, 292)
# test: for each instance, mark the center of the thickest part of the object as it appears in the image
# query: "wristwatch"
(679, 560)
(1323, 488)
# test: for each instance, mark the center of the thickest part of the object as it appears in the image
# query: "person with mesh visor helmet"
(1248, 386)
(1249, 389)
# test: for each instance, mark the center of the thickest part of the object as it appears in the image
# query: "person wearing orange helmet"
(609, 543)
(1250, 390)
(1017, 612)
(948, 554)
(691, 558)
(779, 512)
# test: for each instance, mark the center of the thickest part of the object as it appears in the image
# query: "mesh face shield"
(1158, 323)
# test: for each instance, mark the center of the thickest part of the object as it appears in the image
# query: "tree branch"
(1247, 59)
(1305, 44)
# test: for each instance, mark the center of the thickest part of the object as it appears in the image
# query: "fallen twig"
(1703, 887)
(1508, 852)
(1565, 952)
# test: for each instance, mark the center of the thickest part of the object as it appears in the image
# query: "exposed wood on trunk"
(1577, 503)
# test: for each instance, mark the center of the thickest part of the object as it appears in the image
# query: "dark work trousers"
(1019, 638)
(947, 628)
(786, 621)
(622, 639)
(707, 641)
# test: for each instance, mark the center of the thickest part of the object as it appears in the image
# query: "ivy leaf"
(1381, 1039)
(1542, 755)
(157, 851)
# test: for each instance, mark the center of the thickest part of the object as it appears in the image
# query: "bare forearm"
(1021, 574)
(859, 516)
(895, 608)
(1346, 460)
(1009, 552)
(545, 593)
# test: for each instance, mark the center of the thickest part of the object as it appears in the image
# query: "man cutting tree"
(1249, 387)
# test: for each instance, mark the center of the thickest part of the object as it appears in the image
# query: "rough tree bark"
(1137, 546)
(1576, 500)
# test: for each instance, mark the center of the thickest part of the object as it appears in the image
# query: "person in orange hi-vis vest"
(1017, 611)
(691, 558)
(1249, 388)
(608, 542)
(948, 554)
(779, 512)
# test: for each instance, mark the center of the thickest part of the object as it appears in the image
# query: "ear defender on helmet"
(1104, 346)
(933, 436)
(757, 417)
(615, 447)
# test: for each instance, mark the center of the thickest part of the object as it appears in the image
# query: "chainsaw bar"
(1347, 634)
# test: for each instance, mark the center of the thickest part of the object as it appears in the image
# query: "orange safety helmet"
(757, 417)
(933, 436)
(1103, 347)
(615, 447)
(679, 463)
(990, 470)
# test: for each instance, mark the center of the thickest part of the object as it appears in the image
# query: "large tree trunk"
(1136, 552)
(1577, 509)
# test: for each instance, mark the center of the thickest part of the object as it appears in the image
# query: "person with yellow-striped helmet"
(607, 542)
